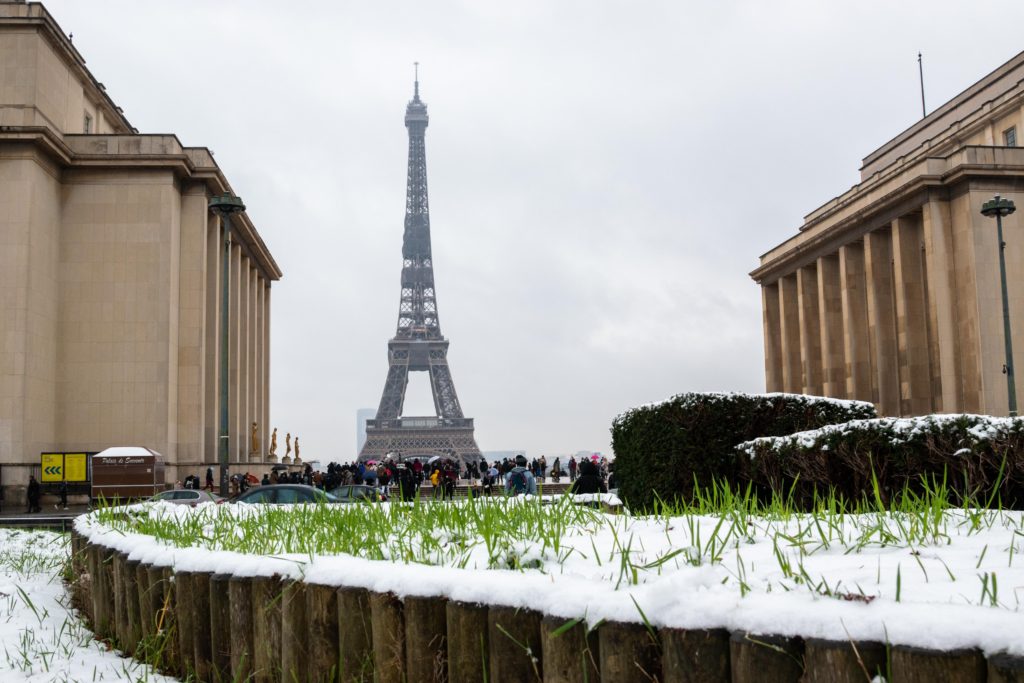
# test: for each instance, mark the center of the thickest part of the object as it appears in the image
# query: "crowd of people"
(405, 476)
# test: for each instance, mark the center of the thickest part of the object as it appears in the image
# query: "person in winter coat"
(520, 480)
(62, 489)
(589, 481)
(33, 494)
(406, 483)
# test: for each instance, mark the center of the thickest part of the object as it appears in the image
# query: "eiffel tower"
(418, 345)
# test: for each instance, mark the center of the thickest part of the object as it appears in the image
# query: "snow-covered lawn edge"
(695, 597)
(42, 638)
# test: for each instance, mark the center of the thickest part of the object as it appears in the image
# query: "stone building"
(890, 292)
(110, 266)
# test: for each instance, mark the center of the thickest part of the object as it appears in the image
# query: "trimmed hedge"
(661, 449)
(972, 453)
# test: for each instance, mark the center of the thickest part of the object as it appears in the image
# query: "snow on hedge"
(899, 430)
(864, 408)
(948, 581)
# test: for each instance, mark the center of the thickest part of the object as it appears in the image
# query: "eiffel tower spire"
(418, 345)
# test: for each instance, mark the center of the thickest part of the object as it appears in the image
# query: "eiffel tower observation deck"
(418, 345)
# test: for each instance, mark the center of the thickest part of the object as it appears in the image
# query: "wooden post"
(107, 572)
(157, 645)
(294, 636)
(426, 639)
(755, 658)
(322, 629)
(833, 661)
(917, 665)
(169, 619)
(266, 629)
(185, 618)
(120, 609)
(145, 605)
(467, 641)
(131, 606)
(697, 656)
(92, 559)
(102, 590)
(630, 653)
(388, 623)
(242, 610)
(514, 645)
(355, 635)
(1003, 668)
(202, 662)
(220, 627)
(571, 651)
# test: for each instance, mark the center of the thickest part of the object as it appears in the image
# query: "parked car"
(355, 493)
(187, 497)
(283, 494)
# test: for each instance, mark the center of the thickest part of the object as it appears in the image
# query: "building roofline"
(948, 106)
(20, 13)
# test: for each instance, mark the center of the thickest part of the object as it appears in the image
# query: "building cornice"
(869, 209)
(144, 152)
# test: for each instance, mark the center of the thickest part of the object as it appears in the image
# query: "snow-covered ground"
(41, 637)
(933, 578)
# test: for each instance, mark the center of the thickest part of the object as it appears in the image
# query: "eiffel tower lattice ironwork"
(418, 345)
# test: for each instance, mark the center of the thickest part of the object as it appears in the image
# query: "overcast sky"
(603, 175)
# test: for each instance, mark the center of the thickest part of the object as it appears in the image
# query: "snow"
(832, 577)
(41, 636)
(692, 397)
(122, 451)
(902, 429)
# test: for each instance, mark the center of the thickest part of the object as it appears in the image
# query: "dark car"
(355, 493)
(284, 494)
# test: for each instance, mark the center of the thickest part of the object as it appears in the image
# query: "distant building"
(110, 271)
(890, 292)
(362, 415)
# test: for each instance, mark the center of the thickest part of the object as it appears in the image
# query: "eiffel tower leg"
(394, 393)
(446, 401)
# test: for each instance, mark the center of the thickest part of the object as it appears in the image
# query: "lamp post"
(1000, 207)
(224, 205)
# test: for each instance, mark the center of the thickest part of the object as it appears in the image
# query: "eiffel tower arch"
(418, 345)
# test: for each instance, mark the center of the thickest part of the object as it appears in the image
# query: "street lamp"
(224, 205)
(1000, 207)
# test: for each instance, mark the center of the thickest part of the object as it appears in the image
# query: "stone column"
(266, 358)
(790, 319)
(772, 337)
(942, 306)
(856, 346)
(211, 339)
(830, 308)
(911, 317)
(191, 318)
(882, 321)
(244, 349)
(256, 298)
(236, 431)
(810, 328)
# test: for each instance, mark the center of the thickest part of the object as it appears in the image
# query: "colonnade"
(888, 317)
(248, 348)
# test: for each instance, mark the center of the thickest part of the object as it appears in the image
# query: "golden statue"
(297, 458)
(288, 445)
(273, 442)
(255, 439)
